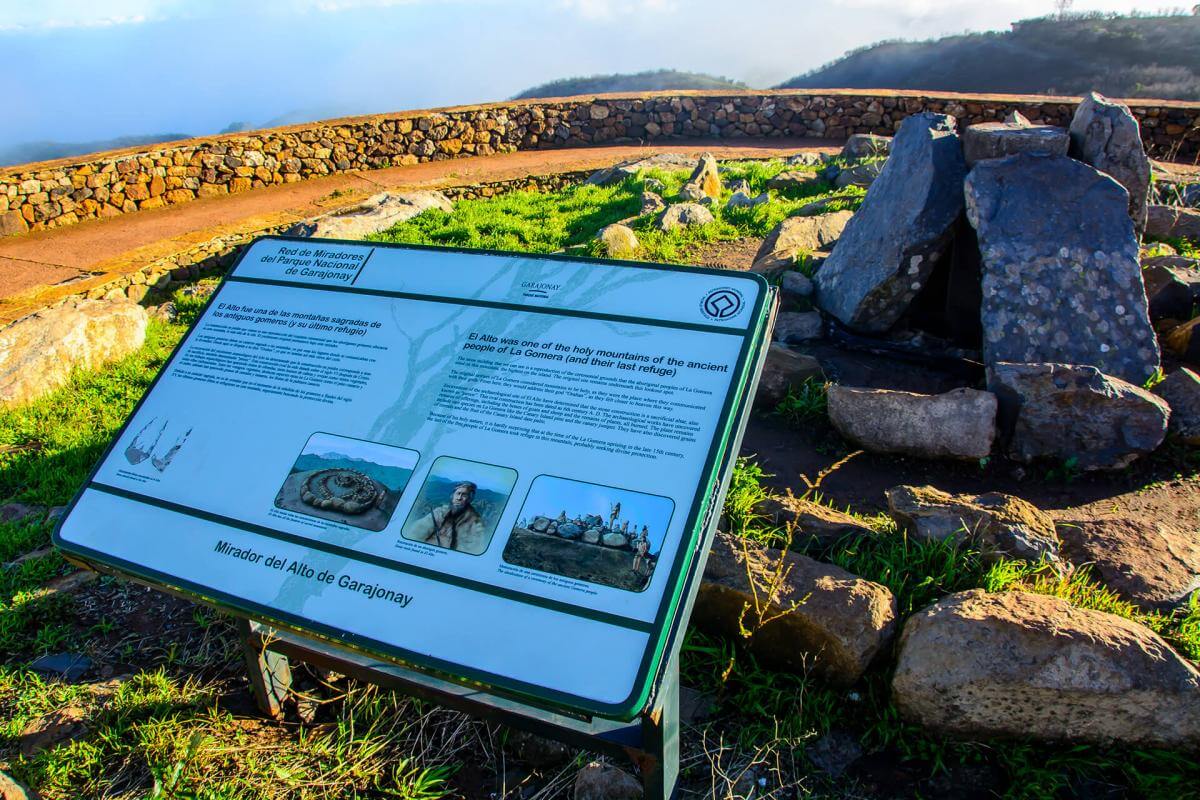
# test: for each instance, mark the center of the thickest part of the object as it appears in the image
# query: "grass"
(178, 726)
(568, 221)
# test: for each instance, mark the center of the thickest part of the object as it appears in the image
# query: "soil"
(737, 254)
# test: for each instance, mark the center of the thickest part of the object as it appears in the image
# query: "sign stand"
(651, 740)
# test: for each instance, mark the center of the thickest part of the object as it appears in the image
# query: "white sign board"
(489, 466)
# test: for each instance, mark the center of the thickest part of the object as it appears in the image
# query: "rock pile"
(1019, 241)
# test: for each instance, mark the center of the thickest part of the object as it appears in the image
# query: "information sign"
(494, 467)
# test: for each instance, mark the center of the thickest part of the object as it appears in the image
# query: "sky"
(97, 69)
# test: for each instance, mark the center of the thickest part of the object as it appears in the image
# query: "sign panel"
(493, 466)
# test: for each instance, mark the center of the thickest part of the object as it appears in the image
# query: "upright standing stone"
(1061, 279)
(888, 250)
(1105, 134)
(1000, 139)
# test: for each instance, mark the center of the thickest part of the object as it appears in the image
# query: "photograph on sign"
(600, 534)
(426, 441)
(346, 480)
(459, 505)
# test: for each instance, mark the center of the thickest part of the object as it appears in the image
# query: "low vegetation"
(1144, 56)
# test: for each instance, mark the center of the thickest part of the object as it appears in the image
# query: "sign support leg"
(270, 673)
(660, 739)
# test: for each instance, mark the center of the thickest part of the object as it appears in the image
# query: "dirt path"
(31, 263)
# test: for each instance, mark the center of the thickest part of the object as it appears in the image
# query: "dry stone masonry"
(65, 192)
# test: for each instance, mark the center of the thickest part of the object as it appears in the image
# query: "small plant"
(1155, 379)
(1066, 472)
(806, 404)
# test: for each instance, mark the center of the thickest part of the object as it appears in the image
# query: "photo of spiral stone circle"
(346, 480)
(590, 532)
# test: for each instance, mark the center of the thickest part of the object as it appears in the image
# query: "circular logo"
(721, 303)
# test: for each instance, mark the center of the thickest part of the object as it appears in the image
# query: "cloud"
(611, 9)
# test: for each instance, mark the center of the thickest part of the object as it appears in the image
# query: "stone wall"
(67, 191)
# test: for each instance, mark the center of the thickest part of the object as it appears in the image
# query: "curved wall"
(63, 192)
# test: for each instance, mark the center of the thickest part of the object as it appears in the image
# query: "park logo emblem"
(722, 304)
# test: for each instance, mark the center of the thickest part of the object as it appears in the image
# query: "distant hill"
(27, 152)
(1120, 56)
(653, 81)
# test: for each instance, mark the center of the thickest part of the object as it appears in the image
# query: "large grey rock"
(815, 617)
(38, 352)
(799, 235)
(1000, 139)
(794, 180)
(682, 215)
(958, 424)
(651, 204)
(866, 145)
(1000, 525)
(1181, 390)
(704, 182)
(889, 248)
(861, 175)
(1061, 279)
(795, 285)
(1075, 413)
(742, 199)
(810, 524)
(1105, 134)
(600, 781)
(1169, 222)
(1168, 294)
(794, 327)
(618, 241)
(1028, 666)
(377, 213)
(610, 176)
(784, 370)
(1151, 563)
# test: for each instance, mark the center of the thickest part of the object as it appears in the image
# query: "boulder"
(794, 327)
(794, 180)
(866, 145)
(1183, 341)
(569, 530)
(1000, 525)
(1184, 268)
(706, 177)
(815, 616)
(783, 371)
(806, 160)
(377, 213)
(610, 176)
(614, 539)
(1169, 222)
(740, 199)
(38, 352)
(1028, 666)
(540, 524)
(795, 285)
(999, 139)
(617, 241)
(796, 236)
(1075, 413)
(10, 789)
(1150, 563)
(651, 204)
(682, 215)
(653, 186)
(861, 175)
(957, 424)
(591, 536)
(1181, 390)
(1061, 280)
(1168, 296)
(600, 781)
(1105, 134)
(890, 246)
(811, 524)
